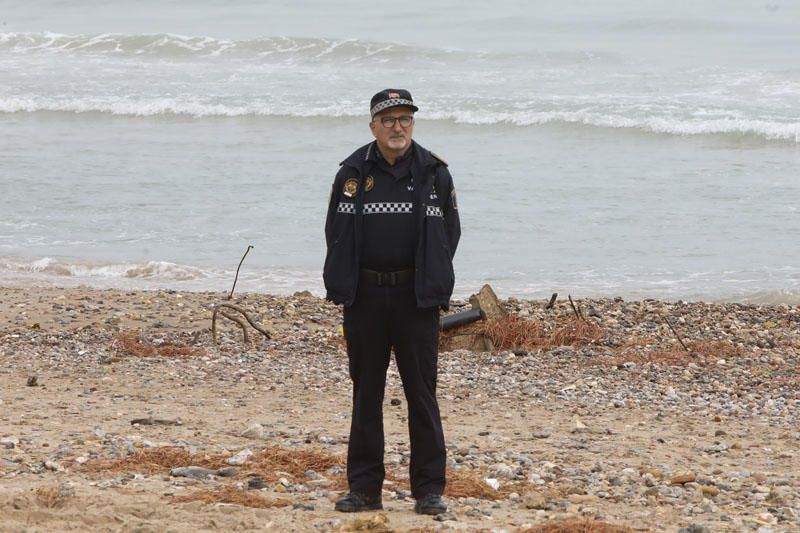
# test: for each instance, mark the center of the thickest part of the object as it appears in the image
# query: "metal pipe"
(459, 319)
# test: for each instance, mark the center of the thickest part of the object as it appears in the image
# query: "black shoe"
(430, 504)
(355, 502)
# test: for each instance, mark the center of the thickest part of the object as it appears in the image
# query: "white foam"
(150, 269)
(781, 130)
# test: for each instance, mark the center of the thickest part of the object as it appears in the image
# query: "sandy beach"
(106, 396)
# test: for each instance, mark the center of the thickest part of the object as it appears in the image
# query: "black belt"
(385, 279)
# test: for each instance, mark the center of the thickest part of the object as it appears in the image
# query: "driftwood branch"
(235, 279)
(240, 322)
(577, 310)
(552, 301)
(229, 316)
(677, 336)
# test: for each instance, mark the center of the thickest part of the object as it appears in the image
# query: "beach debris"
(575, 309)
(677, 336)
(150, 421)
(552, 301)
(235, 279)
(485, 306)
(219, 309)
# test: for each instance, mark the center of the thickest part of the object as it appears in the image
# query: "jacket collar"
(365, 155)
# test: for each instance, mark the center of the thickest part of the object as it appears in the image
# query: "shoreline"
(627, 430)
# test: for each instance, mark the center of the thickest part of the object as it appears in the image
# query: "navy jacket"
(438, 228)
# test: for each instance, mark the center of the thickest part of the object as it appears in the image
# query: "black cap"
(389, 98)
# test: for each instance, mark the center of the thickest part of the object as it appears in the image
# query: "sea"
(632, 148)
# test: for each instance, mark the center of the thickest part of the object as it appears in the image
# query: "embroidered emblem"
(433, 211)
(350, 187)
(394, 95)
(369, 184)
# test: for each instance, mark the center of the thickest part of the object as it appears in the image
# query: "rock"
(197, 472)
(256, 483)
(709, 490)
(445, 517)
(53, 466)
(33, 381)
(683, 477)
(492, 482)
(228, 471)
(395, 402)
(303, 506)
(9, 443)
(536, 500)
(503, 471)
(695, 528)
(256, 431)
(240, 458)
(541, 435)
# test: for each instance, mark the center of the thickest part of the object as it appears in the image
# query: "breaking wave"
(780, 130)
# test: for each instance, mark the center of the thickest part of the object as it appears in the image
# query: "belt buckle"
(386, 278)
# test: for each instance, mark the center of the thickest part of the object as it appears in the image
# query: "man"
(392, 229)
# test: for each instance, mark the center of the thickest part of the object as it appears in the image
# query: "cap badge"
(394, 95)
(369, 184)
(350, 187)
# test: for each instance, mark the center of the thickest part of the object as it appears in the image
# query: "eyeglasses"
(389, 121)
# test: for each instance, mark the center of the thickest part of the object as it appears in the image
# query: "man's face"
(395, 138)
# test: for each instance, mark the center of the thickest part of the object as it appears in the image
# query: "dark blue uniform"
(391, 233)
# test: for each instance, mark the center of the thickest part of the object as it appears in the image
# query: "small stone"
(536, 500)
(303, 506)
(695, 528)
(53, 466)
(256, 431)
(492, 482)
(240, 458)
(541, 435)
(683, 477)
(255, 483)
(395, 402)
(709, 490)
(33, 381)
(445, 517)
(197, 472)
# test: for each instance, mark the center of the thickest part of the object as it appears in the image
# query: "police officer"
(392, 229)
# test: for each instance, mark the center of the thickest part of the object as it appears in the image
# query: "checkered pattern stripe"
(433, 211)
(387, 207)
(391, 102)
(346, 207)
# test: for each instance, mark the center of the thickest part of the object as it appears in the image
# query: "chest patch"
(350, 187)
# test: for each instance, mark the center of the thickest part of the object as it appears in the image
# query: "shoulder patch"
(440, 158)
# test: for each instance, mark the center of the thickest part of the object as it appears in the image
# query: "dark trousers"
(379, 319)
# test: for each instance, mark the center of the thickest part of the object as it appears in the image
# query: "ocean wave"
(772, 130)
(151, 269)
(168, 45)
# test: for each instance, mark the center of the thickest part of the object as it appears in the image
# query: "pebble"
(255, 431)
(240, 458)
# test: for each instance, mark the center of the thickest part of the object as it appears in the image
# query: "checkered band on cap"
(391, 102)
